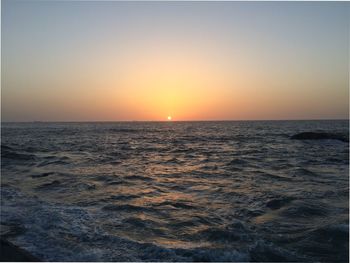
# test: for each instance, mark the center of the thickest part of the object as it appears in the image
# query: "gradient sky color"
(117, 61)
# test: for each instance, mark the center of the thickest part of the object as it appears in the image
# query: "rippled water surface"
(175, 191)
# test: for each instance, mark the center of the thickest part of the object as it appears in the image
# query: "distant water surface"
(175, 191)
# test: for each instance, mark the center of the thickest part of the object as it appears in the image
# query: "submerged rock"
(320, 136)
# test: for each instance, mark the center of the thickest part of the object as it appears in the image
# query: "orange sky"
(95, 61)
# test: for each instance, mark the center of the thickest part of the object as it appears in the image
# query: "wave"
(42, 174)
(196, 255)
(182, 150)
(303, 171)
(180, 205)
(138, 177)
(175, 192)
(299, 209)
(223, 235)
(275, 177)
(263, 251)
(77, 236)
(151, 253)
(279, 202)
(10, 153)
(125, 207)
(143, 223)
(115, 182)
(64, 160)
(126, 130)
(85, 186)
(238, 162)
(123, 197)
(51, 185)
(336, 249)
(171, 161)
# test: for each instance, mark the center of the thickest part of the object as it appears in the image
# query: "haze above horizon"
(148, 61)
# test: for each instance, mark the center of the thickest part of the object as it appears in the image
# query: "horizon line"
(167, 121)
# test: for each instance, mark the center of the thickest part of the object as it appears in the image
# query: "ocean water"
(175, 191)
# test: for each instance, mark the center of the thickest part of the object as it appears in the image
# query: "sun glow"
(162, 80)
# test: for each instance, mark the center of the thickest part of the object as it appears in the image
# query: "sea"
(176, 191)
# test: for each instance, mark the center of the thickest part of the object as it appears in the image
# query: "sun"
(169, 118)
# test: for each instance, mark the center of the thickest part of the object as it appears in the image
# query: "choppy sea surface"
(175, 191)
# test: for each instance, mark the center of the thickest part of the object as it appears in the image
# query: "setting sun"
(258, 90)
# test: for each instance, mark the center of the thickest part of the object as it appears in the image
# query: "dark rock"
(320, 136)
(11, 253)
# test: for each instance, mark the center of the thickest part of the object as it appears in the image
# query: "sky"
(145, 61)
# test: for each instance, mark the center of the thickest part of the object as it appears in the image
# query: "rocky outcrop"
(320, 136)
